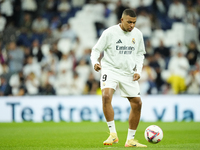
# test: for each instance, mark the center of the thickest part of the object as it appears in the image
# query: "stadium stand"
(45, 45)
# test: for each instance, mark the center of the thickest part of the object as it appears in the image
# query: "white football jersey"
(123, 51)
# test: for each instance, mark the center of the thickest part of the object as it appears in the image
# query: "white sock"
(131, 134)
(111, 126)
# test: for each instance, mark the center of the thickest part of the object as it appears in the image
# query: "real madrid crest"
(133, 40)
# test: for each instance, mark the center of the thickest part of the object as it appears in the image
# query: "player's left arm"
(136, 77)
(139, 60)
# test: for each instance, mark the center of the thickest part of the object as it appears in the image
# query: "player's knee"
(137, 106)
(106, 98)
(136, 103)
(140, 104)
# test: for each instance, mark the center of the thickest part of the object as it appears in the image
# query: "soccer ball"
(153, 134)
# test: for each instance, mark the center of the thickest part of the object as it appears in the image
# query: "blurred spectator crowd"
(45, 46)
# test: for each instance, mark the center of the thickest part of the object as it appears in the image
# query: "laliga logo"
(133, 40)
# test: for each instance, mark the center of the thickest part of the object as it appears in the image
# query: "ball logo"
(133, 40)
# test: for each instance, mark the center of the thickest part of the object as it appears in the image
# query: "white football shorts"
(128, 87)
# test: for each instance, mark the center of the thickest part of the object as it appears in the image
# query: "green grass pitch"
(90, 135)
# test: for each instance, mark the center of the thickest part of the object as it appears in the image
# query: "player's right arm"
(97, 49)
(97, 67)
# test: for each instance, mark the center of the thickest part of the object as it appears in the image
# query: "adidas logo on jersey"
(119, 41)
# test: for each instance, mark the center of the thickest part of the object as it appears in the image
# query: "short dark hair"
(129, 12)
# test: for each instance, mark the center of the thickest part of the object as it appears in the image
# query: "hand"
(97, 67)
(136, 77)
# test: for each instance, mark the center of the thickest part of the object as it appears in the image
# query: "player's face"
(128, 23)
